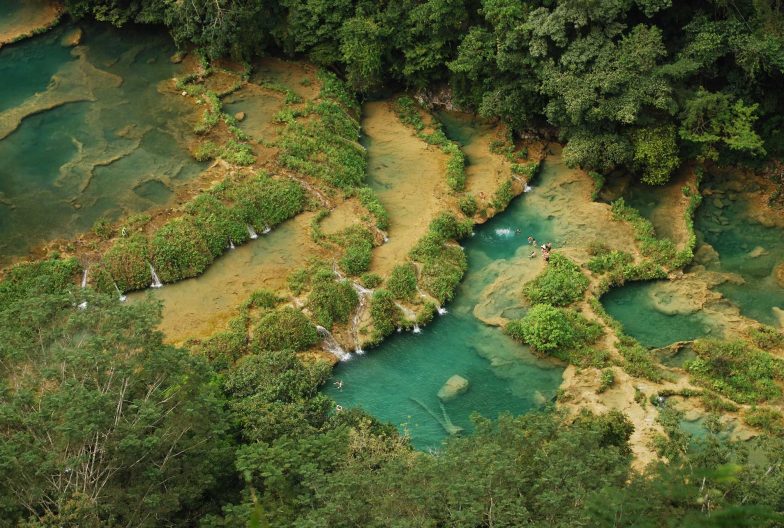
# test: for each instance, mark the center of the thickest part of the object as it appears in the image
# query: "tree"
(103, 423)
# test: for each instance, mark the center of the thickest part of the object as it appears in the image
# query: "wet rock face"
(72, 38)
(454, 387)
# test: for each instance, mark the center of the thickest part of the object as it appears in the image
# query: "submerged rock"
(758, 252)
(778, 274)
(177, 57)
(72, 38)
(705, 254)
(454, 387)
(239, 116)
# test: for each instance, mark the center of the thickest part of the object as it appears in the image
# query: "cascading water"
(120, 295)
(231, 244)
(252, 232)
(331, 344)
(408, 313)
(442, 310)
(84, 278)
(363, 294)
(156, 282)
(416, 329)
(267, 229)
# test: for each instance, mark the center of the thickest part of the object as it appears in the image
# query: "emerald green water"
(633, 306)
(504, 376)
(99, 135)
(722, 222)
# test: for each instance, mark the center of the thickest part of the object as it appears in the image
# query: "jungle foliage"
(641, 85)
(102, 424)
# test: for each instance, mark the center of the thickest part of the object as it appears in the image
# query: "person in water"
(530, 240)
(533, 254)
(339, 385)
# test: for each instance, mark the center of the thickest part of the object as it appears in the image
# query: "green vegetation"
(358, 244)
(553, 330)
(769, 420)
(216, 223)
(370, 280)
(402, 282)
(661, 251)
(236, 432)
(561, 283)
(127, 264)
(468, 205)
(285, 329)
(409, 113)
(178, 251)
(369, 199)
(736, 370)
(384, 313)
(503, 195)
(322, 141)
(606, 380)
(329, 300)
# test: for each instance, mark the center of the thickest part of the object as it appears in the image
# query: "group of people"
(545, 249)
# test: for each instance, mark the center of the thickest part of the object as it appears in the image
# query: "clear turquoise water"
(64, 168)
(733, 235)
(632, 306)
(504, 376)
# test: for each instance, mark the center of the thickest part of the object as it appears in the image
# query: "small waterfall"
(231, 244)
(156, 282)
(528, 188)
(416, 329)
(442, 310)
(82, 305)
(120, 294)
(363, 294)
(252, 232)
(267, 229)
(332, 345)
(84, 278)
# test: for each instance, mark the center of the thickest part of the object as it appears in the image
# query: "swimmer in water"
(339, 385)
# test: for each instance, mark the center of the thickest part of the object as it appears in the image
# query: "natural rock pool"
(91, 130)
(399, 381)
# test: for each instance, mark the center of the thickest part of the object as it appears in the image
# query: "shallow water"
(199, 307)
(634, 307)
(408, 177)
(87, 132)
(722, 222)
(504, 376)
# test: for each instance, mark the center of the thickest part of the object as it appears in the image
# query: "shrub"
(737, 370)
(468, 205)
(369, 199)
(455, 166)
(503, 195)
(402, 282)
(216, 223)
(178, 251)
(384, 313)
(331, 301)
(30, 279)
(610, 261)
(598, 184)
(769, 420)
(127, 262)
(767, 337)
(103, 228)
(285, 329)
(553, 330)
(606, 380)
(527, 170)
(265, 299)
(448, 227)
(562, 283)
(265, 202)
(358, 243)
(370, 280)
(639, 361)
